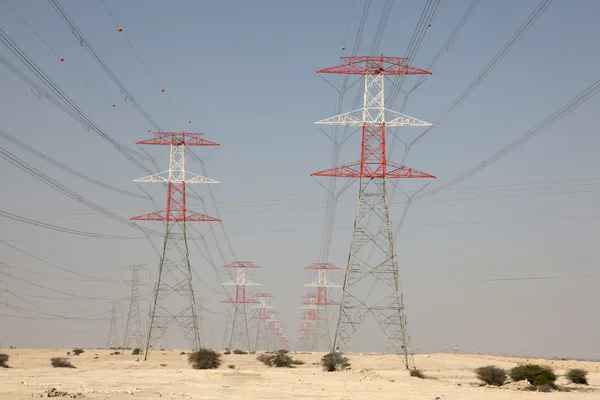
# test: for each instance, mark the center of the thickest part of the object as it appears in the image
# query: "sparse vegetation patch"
(61, 362)
(537, 375)
(237, 351)
(491, 375)
(77, 351)
(136, 352)
(204, 359)
(279, 359)
(3, 360)
(417, 373)
(334, 361)
(577, 375)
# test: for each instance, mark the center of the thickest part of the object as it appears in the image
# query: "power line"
(66, 168)
(8, 156)
(63, 229)
(175, 105)
(514, 39)
(90, 277)
(85, 44)
(68, 64)
(578, 100)
(70, 104)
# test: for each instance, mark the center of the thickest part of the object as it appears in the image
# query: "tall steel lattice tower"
(240, 334)
(371, 283)
(174, 302)
(113, 341)
(133, 326)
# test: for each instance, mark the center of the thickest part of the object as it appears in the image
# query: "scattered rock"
(520, 385)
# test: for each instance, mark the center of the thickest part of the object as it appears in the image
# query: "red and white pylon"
(265, 311)
(240, 334)
(174, 303)
(372, 262)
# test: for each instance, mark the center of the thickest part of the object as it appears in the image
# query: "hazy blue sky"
(244, 73)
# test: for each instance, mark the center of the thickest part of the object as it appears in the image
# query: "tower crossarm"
(178, 139)
(380, 65)
(373, 170)
(355, 118)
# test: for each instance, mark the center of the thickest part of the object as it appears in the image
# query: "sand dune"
(373, 376)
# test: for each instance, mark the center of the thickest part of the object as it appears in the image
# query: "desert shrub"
(491, 375)
(3, 360)
(204, 359)
(237, 351)
(231, 366)
(334, 361)
(117, 353)
(182, 353)
(77, 351)
(136, 352)
(577, 375)
(253, 352)
(537, 375)
(68, 353)
(417, 373)
(279, 360)
(227, 352)
(163, 365)
(284, 351)
(61, 362)
(265, 359)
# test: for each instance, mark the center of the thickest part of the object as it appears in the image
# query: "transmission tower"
(240, 334)
(372, 227)
(113, 340)
(265, 311)
(321, 336)
(174, 301)
(133, 326)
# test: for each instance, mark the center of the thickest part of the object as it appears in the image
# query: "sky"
(245, 74)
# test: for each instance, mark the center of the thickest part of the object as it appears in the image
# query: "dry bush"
(227, 352)
(577, 375)
(136, 352)
(61, 362)
(3, 360)
(279, 360)
(77, 351)
(417, 373)
(491, 375)
(204, 359)
(237, 351)
(334, 361)
(231, 366)
(537, 375)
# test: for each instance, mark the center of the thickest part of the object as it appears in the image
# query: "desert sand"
(167, 375)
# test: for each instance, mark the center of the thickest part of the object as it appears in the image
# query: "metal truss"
(372, 284)
(174, 302)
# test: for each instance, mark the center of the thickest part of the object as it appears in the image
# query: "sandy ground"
(167, 374)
